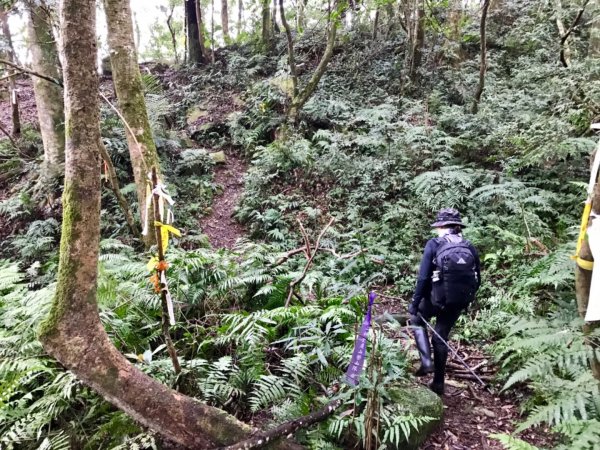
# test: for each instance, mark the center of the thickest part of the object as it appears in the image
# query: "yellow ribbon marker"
(152, 264)
(164, 233)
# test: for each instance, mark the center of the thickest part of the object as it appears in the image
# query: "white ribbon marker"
(593, 233)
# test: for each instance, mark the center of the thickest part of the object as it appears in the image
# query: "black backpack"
(454, 282)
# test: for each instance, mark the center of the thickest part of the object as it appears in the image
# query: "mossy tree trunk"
(583, 281)
(130, 93)
(48, 96)
(73, 332)
(10, 56)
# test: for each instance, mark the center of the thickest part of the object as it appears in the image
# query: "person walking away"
(449, 277)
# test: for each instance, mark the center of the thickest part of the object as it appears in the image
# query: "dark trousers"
(445, 320)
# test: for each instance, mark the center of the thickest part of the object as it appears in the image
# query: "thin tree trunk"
(10, 56)
(172, 32)
(239, 18)
(456, 16)
(276, 28)
(48, 95)
(419, 41)
(225, 20)
(301, 16)
(267, 26)
(113, 181)
(185, 33)
(72, 332)
(129, 89)
(483, 57)
(376, 23)
(290, 46)
(212, 31)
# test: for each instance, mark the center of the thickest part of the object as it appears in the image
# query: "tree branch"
(564, 59)
(30, 72)
(294, 283)
(114, 184)
(12, 141)
(285, 429)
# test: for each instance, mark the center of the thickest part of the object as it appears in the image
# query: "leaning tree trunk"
(302, 96)
(130, 93)
(72, 332)
(225, 21)
(48, 96)
(10, 56)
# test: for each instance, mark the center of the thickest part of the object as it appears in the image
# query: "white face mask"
(441, 232)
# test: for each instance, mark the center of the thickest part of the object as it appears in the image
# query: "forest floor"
(471, 413)
(219, 225)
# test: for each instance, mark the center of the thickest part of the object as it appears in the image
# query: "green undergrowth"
(380, 155)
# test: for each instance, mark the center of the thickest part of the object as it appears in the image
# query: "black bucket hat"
(447, 216)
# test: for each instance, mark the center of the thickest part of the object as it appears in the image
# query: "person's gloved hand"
(413, 308)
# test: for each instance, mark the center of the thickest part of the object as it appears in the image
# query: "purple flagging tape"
(360, 348)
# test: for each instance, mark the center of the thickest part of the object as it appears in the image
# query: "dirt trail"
(471, 412)
(221, 228)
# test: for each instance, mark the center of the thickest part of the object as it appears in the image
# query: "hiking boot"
(422, 341)
(437, 387)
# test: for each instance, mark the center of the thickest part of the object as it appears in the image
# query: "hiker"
(449, 277)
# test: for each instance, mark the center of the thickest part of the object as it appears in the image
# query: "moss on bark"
(128, 86)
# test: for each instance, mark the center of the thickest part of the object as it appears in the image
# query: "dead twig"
(294, 283)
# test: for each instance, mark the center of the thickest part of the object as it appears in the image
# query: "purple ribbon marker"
(360, 348)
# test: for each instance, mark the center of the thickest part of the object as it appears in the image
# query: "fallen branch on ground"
(263, 439)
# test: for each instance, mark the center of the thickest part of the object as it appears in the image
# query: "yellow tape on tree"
(164, 233)
(585, 217)
(585, 264)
